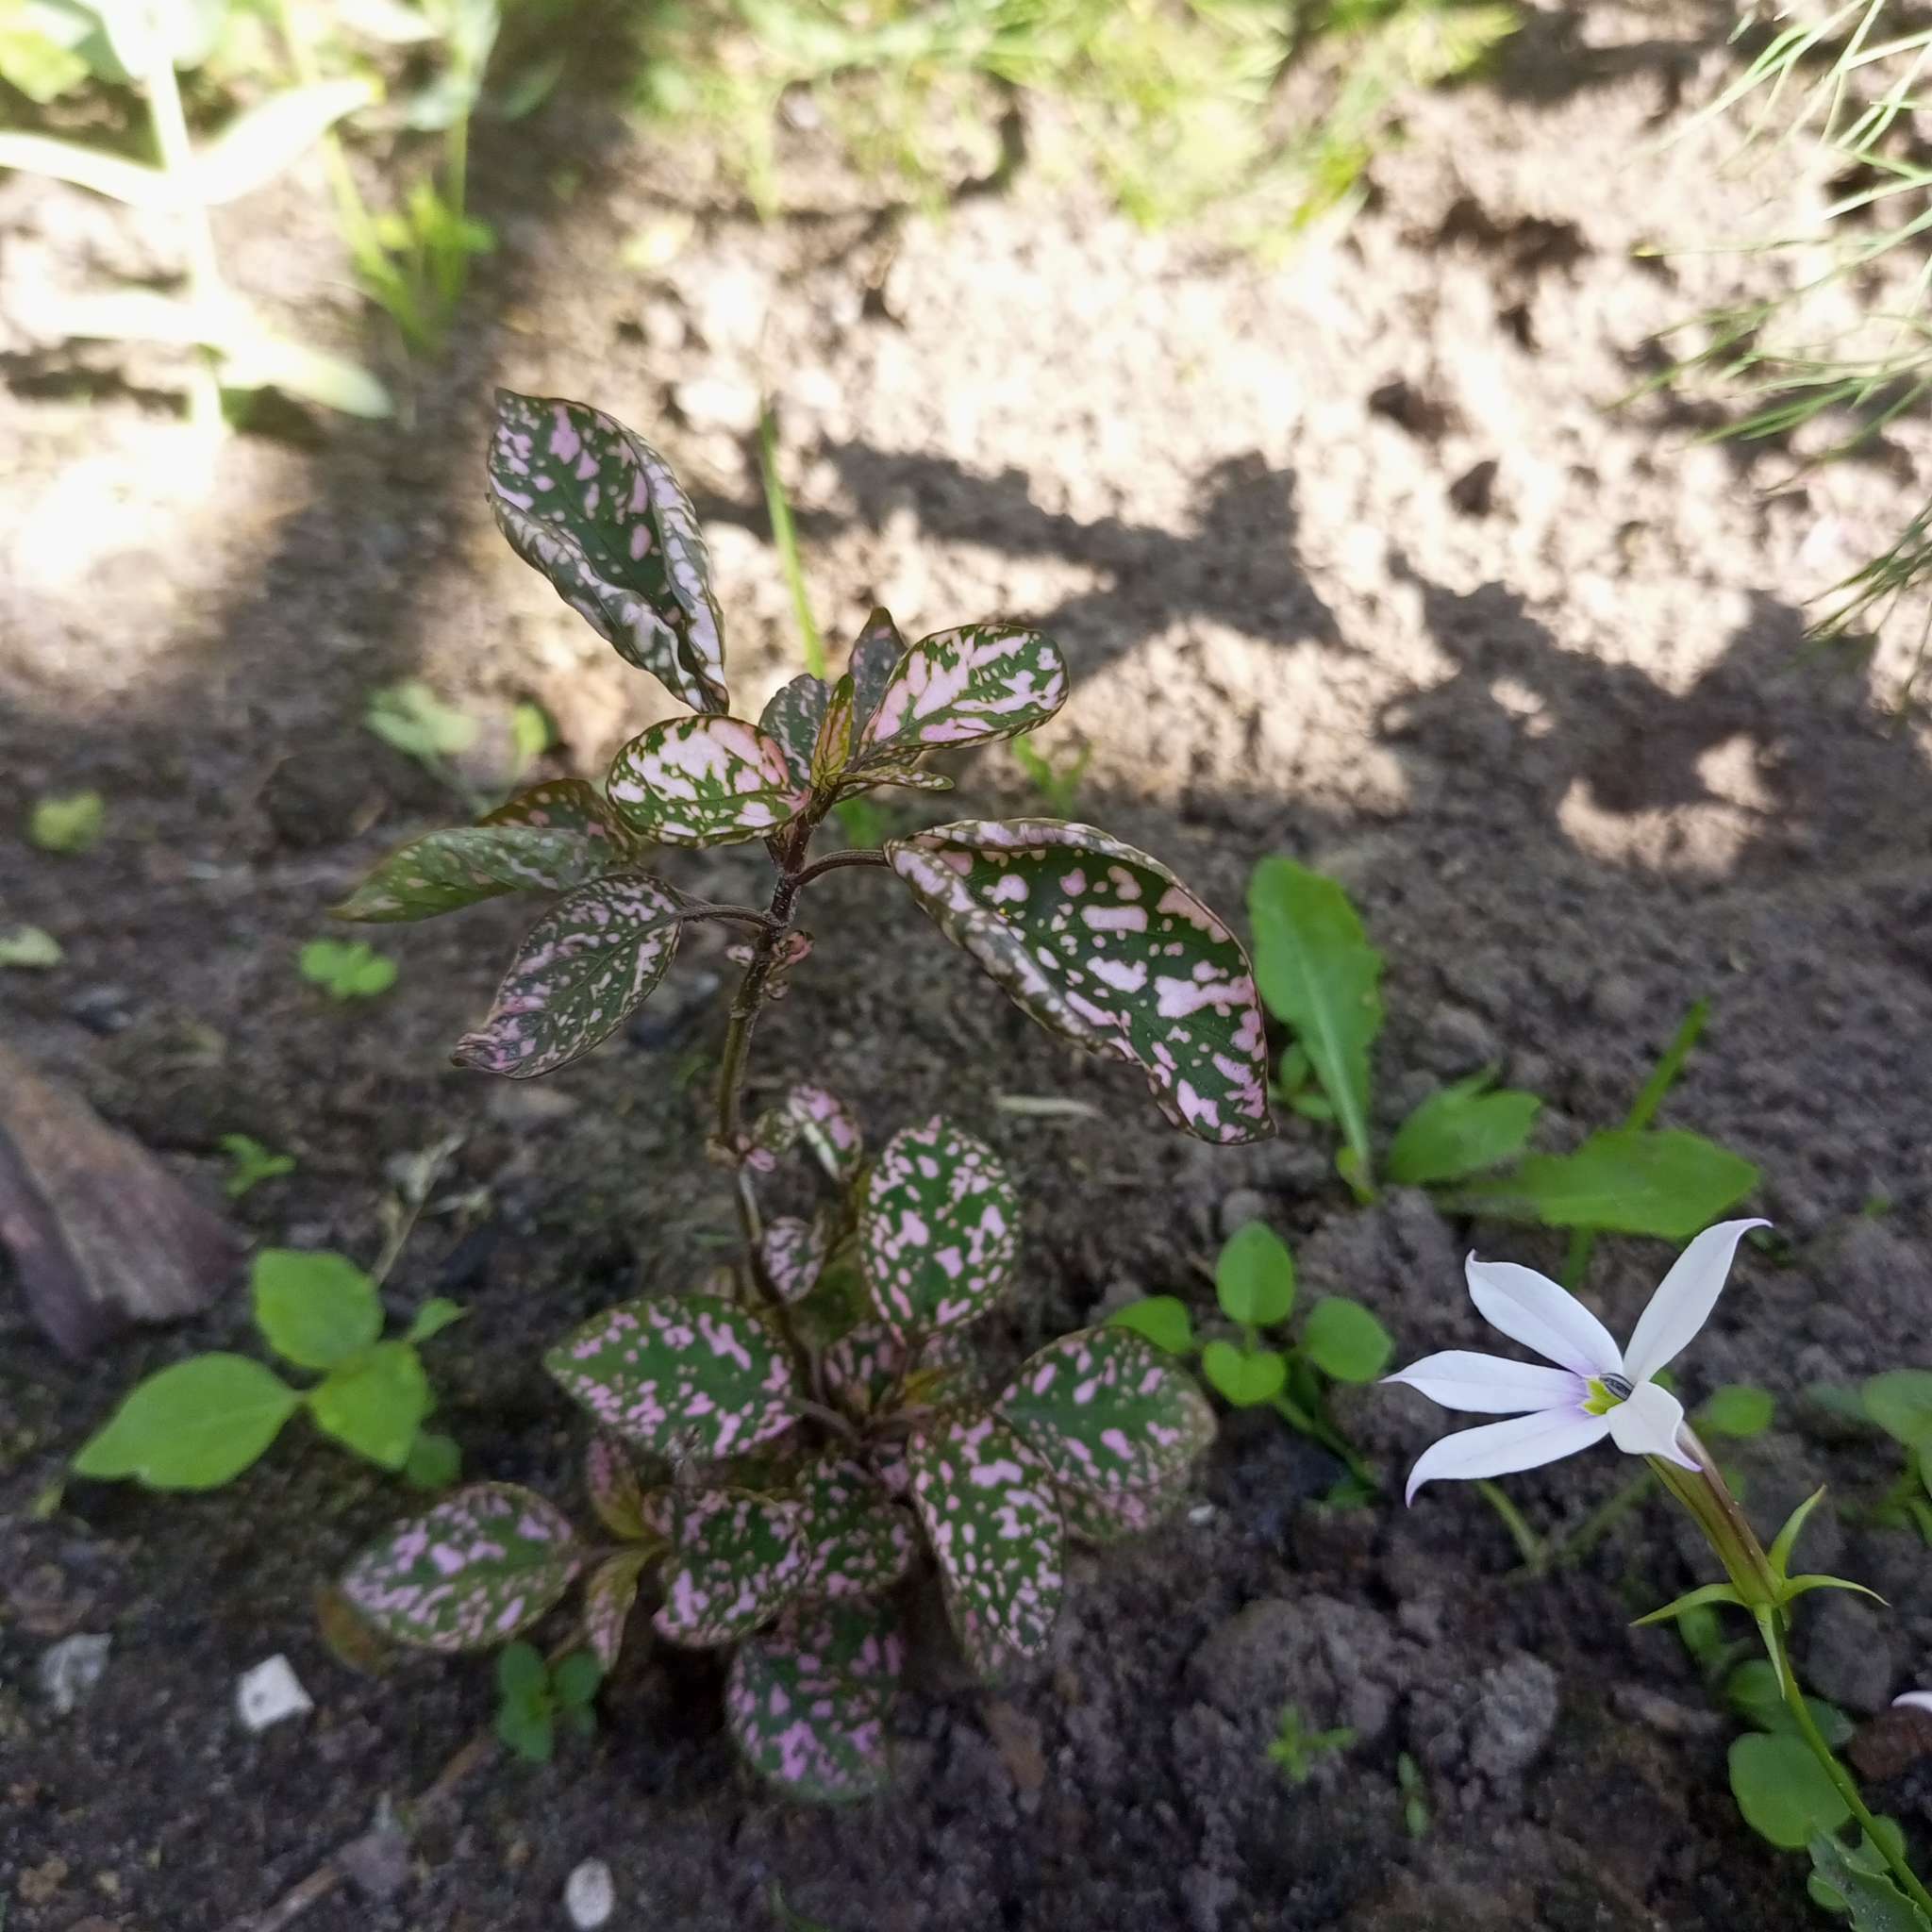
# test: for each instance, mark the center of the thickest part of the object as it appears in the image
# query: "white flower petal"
(1524, 1441)
(1647, 1424)
(1531, 1308)
(1490, 1384)
(1913, 1700)
(1684, 1299)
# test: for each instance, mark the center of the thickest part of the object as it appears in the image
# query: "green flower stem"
(1529, 1546)
(1319, 1429)
(1707, 1498)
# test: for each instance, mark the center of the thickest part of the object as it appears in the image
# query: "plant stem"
(1319, 1429)
(198, 236)
(833, 862)
(1529, 1546)
(1601, 1520)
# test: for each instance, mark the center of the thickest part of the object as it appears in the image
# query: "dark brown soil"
(1350, 562)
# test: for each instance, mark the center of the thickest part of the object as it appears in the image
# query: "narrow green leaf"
(1319, 975)
(1462, 1130)
(1254, 1277)
(86, 167)
(704, 781)
(1244, 1376)
(1780, 1551)
(264, 140)
(193, 1426)
(314, 1308)
(963, 687)
(1782, 1789)
(1163, 1319)
(1802, 1586)
(610, 1597)
(467, 865)
(374, 1403)
(1345, 1340)
(254, 357)
(1708, 1593)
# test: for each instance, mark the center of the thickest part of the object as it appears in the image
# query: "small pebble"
(590, 1895)
(270, 1692)
(71, 1668)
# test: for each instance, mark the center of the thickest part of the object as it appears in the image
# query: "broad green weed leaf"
(988, 1503)
(1102, 945)
(1106, 1411)
(791, 720)
(1163, 1319)
(857, 1542)
(1462, 1130)
(1344, 1341)
(1738, 1409)
(264, 140)
(314, 1308)
(704, 781)
(346, 969)
(962, 687)
(467, 865)
(736, 1560)
(876, 655)
(1320, 975)
(1664, 1182)
(939, 1228)
(433, 1317)
(193, 1426)
(613, 1485)
(1900, 1401)
(375, 1402)
(806, 1702)
(579, 973)
(830, 1128)
(680, 1375)
(1782, 1789)
(794, 1251)
(609, 1598)
(1254, 1277)
(481, 1566)
(1244, 1376)
(1859, 1886)
(600, 513)
(434, 1461)
(69, 824)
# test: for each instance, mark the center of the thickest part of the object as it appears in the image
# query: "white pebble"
(589, 1895)
(71, 1668)
(270, 1692)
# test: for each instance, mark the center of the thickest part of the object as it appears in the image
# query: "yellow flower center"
(1606, 1392)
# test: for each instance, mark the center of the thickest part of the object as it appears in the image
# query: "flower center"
(1606, 1392)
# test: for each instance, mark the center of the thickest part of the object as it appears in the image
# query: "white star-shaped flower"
(1595, 1389)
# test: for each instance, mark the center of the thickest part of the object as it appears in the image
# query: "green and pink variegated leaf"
(912, 779)
(858, 1540)
(611, 1483)
(579, 973)
(808, 1700)
(994, 1521)
(793, 717)
(794, 1252)
(876, 655)
(863, 1367)
(1108, 1518)
(563, 804)
(962, 687)
(609, 1598)
(600, 513)
(704, 781)
(938, 1230)
(467, 865)
(484, 1564)
(830, 1128)
(736, 1561)
(1107, 1411)
(680, 1375)
(949, 1372)
(1105, 946)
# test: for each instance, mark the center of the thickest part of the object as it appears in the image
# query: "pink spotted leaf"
(794, 1252)
(600, 513)
(484, 1564)
(938, 1229)
(808, 1702)
(579, 973)
(963, 687)
(609, 1598)
(704, 781)
(562, 804)
(987, 1505)
(466, 864)
(858, 1540)
(679, 1376)
(1103, 945)
(863, 1367)
(1097, 1519)
(736, 1561)
(1108, 1412)
(876, 655)
(793, 717)
(611, 1482)
(830, 1128)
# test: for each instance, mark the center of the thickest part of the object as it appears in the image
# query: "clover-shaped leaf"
(937, 1228)
(736, 1559)
(828, 1127)
(680, 1375)
(794, 1251)
(484, 1564)
(858, 1540)
(579, 973)
(598, 511)
(466, 864)
(1106, 1411)
(987, 1505)
(1105, 946)
(704, 781)
(962, 687)
(793, 717)
(807, 1701)
(608, 1597)
(611, 1483)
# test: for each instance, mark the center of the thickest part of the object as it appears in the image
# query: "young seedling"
(1296, 1750)
(250, 1163)
(346, 969)
(1057, 784)
(1340, 1340)
(772, 1452)
(533, 1697)
(1415, 1796)
(1900, 1401)
(69, 824)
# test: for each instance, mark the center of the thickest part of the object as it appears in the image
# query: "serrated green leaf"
(806, 1702)
(313, 1309)
(979, 682)
(1782, 1789)
(375, 1402)
(483, 1565)
(1108, 1412)
(791, 720)
(1900, 1401)
(1739, 1410)
(579, 973)
(1345, 1340)
(1664, 1182)
(600, 513)
(69, 824)
(609, 1598)
(857, 1542)
(680, 1375)
(1103, 945)
(467, 865)
(1254, 1277)
(704, 781)
(1244, 1376)
(1162, 1319)
(939, 1228)
(346, 970)
(1863, 1888)
(1462, 1130)
(1319, 975)
(611, 1483)
(736, 1560)
(193, 1426)
(829, 1126)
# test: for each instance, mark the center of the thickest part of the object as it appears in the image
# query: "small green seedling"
(1415, 1796)
(200, 1422)
(534, 1697)
(250, 1163)
(346, 969)
(69, 824)
(1340, 1340)
(1057, 783)
(411, 719)
(1900, 1401)
(1296, 1750)
(29, 949)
